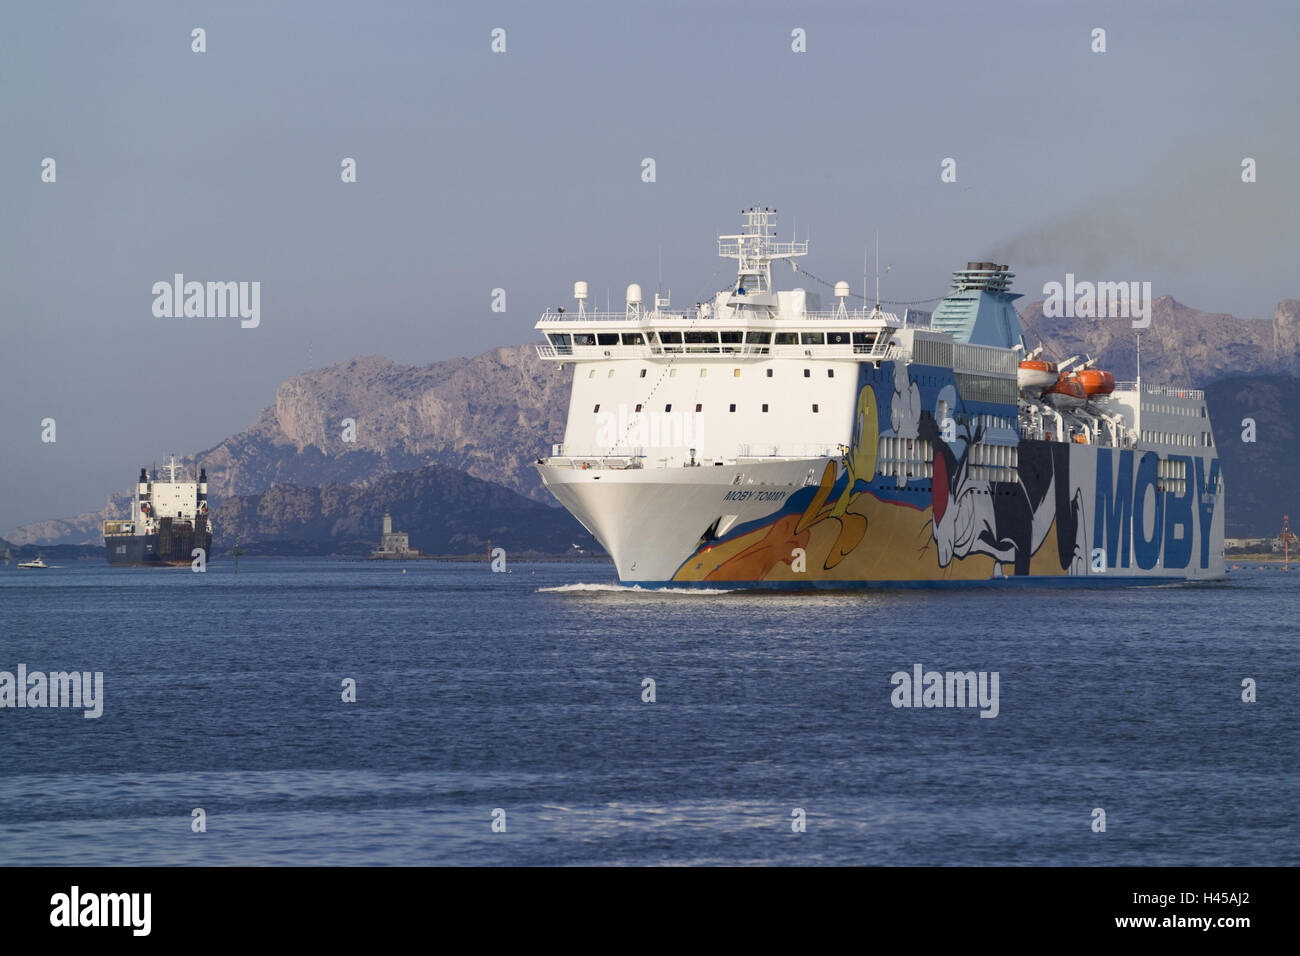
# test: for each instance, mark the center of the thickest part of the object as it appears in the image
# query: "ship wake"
(629, 589)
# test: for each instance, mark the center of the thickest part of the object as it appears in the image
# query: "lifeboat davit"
(1066, 392)
(1035, 373)
(1095, 381)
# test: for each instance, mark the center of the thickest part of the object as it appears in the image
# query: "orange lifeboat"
(1066, 392)
(1095, 381)
(1035, 373)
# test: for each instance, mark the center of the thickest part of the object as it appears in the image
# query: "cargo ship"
(168, 522)
(757, 440)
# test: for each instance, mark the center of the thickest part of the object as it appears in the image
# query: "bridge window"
(758, 338)
(561, 340)
(864, 338)
(731, 337)
(584, 338)
(837, 338)
(633, 338)
(787, 338)
(670, 338)
(701, 338)
(813, 338)
(607, 338)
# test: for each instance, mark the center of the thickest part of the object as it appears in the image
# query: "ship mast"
(755, 249)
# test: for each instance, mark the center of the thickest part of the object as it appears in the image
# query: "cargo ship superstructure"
(169, 520)
(757, 440)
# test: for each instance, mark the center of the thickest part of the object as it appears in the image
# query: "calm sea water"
(523, 691)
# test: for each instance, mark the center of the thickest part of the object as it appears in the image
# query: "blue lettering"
(1113, 523)
(1147, 551)
(1206, 498)
(1178, 514)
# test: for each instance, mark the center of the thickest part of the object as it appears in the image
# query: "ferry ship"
(757, 440)
(169, 519)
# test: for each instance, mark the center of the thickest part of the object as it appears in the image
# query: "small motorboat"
(35, 564)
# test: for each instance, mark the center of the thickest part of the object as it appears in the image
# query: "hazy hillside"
(489, 416)
(443, 510)
(1182, 345)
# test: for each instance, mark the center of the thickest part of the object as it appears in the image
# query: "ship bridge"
(756, 372)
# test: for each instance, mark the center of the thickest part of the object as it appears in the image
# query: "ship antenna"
(866, 269)
(1139, 365)
(877, 268)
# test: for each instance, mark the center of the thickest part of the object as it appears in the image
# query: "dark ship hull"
(173, 545)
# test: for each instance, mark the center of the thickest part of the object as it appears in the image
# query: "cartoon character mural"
(1008, 521)
(854, 524)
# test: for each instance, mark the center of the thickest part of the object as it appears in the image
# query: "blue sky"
(522, 171)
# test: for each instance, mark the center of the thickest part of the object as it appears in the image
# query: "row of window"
(565, 340)
(1203, 440)
(1196, 411)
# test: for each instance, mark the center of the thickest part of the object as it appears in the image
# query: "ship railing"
(566, 456)
(841, 350)
(759, 451)
(760, 247)
(606, 462)
(1172, 391)
(869, 318)
(629, 318)
(1169, 391)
